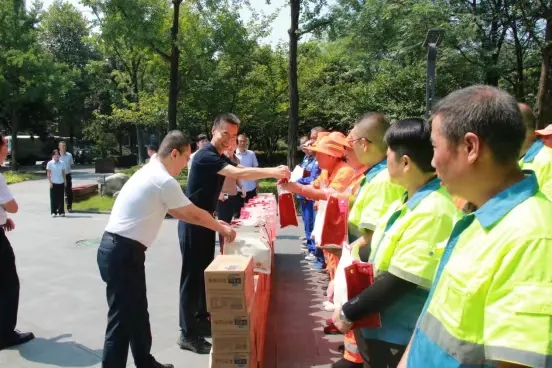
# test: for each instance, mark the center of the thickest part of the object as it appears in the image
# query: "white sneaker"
(310, 257)
(54, 215)
(328, 306)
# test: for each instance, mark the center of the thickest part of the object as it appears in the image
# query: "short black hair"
(412, 138)
(174, 139)
(373, 126)
(55, 152)
(490, 113)
(153, 147)
(227, 118)
(201, 137)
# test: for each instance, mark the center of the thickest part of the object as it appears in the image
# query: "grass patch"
(17, 177)
(95, 203)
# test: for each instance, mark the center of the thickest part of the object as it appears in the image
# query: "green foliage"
(17, 177)
(107, 80)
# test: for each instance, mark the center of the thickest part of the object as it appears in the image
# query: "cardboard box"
(233, 360)
(231, 324)
(234, 303)
(233, 343)
(230, 273)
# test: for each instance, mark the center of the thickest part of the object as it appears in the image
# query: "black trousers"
(57, 203)
(121, 263)
(69, 191)
(226, 210)
(248, 196)
(197, 245)
(377, 353)
(9, 287)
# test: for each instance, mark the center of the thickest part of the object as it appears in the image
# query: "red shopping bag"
(334, 228)
(359, 276)
(286, 208)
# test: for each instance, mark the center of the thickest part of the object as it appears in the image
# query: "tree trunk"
(292, 82)
(14, 145)
(175, 56)
(544, 82)
(140, 144)
(520, 83)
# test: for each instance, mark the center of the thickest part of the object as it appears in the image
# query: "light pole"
(432, 40)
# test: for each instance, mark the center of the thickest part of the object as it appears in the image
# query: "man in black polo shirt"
(209, 168)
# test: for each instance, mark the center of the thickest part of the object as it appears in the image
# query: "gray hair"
(490, 113)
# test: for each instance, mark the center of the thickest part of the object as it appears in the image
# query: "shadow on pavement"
(59, 353)
(295, 337)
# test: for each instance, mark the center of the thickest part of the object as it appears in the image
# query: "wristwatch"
(344, 318)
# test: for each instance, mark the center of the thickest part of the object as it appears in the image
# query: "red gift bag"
(286, 209)
(359, 276)
(334, 228)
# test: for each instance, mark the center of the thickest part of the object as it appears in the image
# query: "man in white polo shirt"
(135, 220)
(247, 159)
(9, 281)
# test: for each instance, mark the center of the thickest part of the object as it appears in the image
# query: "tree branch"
(313, 27)
(160, 52)
(457, 47)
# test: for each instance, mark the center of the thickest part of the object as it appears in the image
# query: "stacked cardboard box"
(230, 289)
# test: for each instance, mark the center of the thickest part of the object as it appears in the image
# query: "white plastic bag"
(319, 222)
(297, 174)
(340, 283)
(257, 248)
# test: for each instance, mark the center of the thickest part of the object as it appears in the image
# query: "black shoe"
(204, 326)
(344, 363)
(17, 338)
(341, 348)
(156, 364)
(70, 210)
(196, 345)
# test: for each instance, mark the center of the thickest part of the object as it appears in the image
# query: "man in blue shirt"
(310, 165)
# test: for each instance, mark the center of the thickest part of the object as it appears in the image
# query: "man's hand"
(228, 233)
(281, 172)
(221, 197)
(51, 185)
(9, 225)
(243, 193)
(338, 323)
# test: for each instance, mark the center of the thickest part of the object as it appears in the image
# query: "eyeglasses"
(352, 141)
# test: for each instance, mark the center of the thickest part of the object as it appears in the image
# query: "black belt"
(127, 240)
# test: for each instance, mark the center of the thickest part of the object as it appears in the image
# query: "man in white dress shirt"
(67, 159)
(9, 280)
(135, 220)
(247, 159)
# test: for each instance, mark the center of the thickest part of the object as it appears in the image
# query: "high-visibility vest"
(491, 299)
(374, 197)
(409, 243)
(539, 159)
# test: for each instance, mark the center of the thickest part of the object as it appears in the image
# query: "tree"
(308, 13)
(64, 32)
(27, 75)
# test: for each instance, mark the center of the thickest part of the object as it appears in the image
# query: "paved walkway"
(63, 298)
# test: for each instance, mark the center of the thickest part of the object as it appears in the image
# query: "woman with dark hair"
(55, 170)
(406, 247)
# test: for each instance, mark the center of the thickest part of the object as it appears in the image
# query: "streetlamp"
(432, 40)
